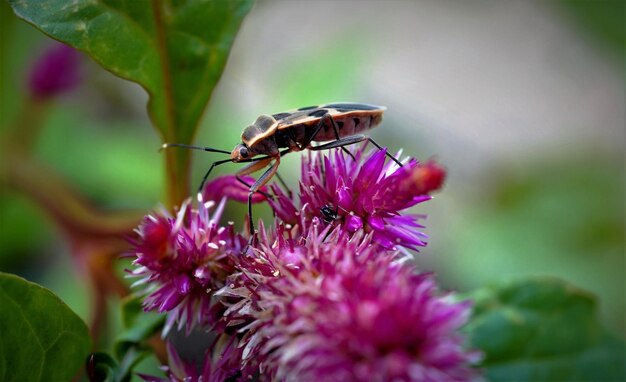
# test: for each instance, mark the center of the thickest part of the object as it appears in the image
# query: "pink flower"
(182, 260)
(323, 296)
(332, 307)
(368, 194)
(228, 186)
(56, 71)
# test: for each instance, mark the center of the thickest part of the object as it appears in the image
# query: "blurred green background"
(522, 101)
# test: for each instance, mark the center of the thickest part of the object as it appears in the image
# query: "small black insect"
(329, 214)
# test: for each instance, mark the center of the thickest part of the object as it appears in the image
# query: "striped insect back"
(349, 118)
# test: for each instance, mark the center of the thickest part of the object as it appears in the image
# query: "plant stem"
(176, 161)
(177, 165)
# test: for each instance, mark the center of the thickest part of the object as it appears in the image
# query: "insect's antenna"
(192, 147)
(343, 209)
(206, 175)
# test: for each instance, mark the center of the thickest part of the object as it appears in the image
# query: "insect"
(273, 136)
(329, 214)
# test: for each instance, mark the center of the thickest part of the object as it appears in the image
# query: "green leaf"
(176, 50)
(529, 221)
(543, 329)
(41, 339)
(133, 356)
(138, 325)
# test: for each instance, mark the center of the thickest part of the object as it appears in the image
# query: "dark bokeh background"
(523, 101)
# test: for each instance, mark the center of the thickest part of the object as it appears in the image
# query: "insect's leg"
(263, 179)
(249, 169)
(336, 130)
(284, 184)
(206, 175)
(240, 179)
(318, 127)
(341, 142)
(387, 152)
(254, 166)
(214, 164)
(323, 121)
(350, 141)
(280, 178)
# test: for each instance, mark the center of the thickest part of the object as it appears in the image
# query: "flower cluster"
(183, 260)
(366, 193)
(327, 293)
(332, 307)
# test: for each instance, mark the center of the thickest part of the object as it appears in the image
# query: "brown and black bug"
(273, 136)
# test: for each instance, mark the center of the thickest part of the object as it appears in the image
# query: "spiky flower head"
(366, 193)
(182, 260)
(332, 307)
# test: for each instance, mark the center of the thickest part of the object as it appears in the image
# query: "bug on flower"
(329, 214)
(273, 136)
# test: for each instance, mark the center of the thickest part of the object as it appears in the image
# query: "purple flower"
(182, 260)
(221, 364)
(364, 194)
(56, 71)
(332, 307)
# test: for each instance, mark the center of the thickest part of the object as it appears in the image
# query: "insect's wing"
(313, 113)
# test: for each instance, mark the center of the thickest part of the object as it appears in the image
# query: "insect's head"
(241, 152)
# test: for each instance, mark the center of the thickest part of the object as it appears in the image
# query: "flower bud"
(55, 71)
